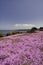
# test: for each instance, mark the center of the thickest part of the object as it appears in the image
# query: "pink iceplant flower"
(22, 50)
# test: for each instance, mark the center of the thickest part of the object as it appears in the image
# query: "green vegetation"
(8, 34)
(41, 28)
(32, 30)
(1, 35)
(13, 33)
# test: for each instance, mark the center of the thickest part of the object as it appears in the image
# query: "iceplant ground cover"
(22, 49)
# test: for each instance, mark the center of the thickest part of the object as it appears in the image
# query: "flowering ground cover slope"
(24, 49)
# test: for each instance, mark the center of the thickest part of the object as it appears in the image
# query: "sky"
(16, 14)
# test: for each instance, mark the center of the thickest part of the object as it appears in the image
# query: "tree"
(41, 28)
(33, 30)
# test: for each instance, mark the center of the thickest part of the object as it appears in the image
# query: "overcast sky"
(21, 13)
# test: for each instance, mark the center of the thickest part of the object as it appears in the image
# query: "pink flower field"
(24, 49)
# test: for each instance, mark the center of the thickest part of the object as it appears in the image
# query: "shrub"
(28, 31)
(8, 34)
(33, 30)
(41, 28)
(13, 33)
(16, 32)
(1, 35)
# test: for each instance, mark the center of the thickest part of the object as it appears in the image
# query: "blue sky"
(18, 13)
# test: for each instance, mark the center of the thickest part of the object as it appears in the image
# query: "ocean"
(4, 32)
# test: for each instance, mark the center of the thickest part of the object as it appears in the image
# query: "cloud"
(16, 26)
(23, 26)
